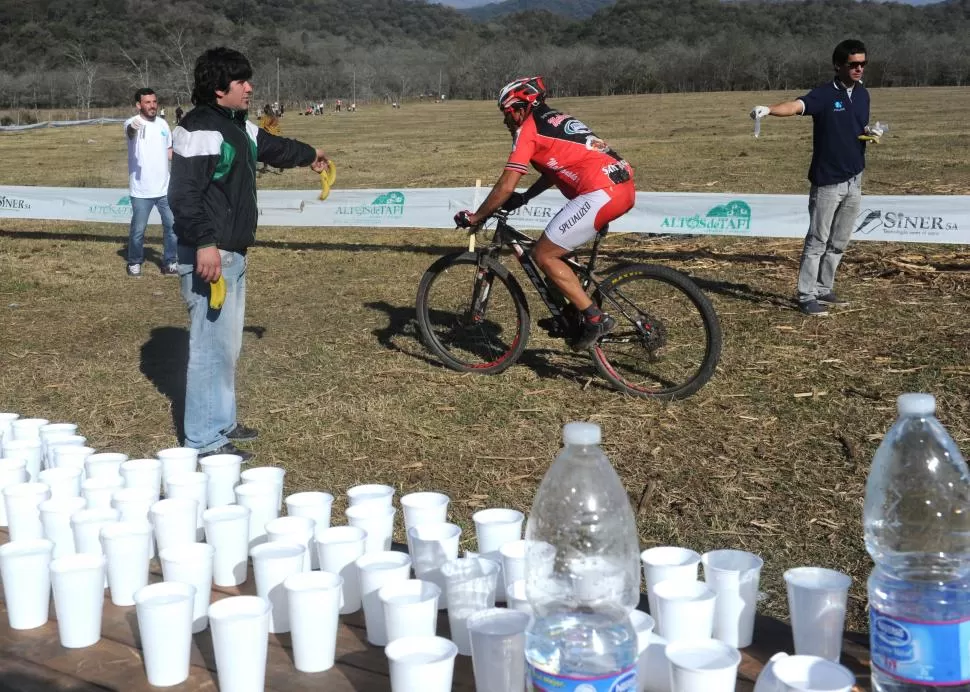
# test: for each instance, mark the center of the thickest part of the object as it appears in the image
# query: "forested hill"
(577, 9)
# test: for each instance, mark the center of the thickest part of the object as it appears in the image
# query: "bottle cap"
(913, 405)
(581, 434)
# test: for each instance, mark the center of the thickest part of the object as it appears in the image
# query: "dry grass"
(771, 456)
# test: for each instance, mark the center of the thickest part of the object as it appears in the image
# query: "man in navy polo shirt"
(840, 116)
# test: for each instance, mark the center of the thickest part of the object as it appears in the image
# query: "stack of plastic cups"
(312, 505)
(314, 600)
(6, 418)
(176, 461)
(240, 640)
(71, 456)
(12, 472)
(99, 492)
(471, 584)
(191, 563)
(338, 549)
(134, 504)
(78, 585)
(493, 529)
(271, 475)
(143, 473)
(104, 464)
(63, 482)
(227, 531)
(424, 508)
(733, 575)
(190, 485)
(376, 570)
(164, 613)
(87, 525)
(29, 451)
(685, 610)
(174, 521)
(498, 649)
(433, 545)
(297, 530)
(377, 519)
(272, 564)
(53, 431)
(22, 502)
(410, 608)
(127, 547)
(25, 572)
(260, 498)
(50, 441)
(421, 664)
(55, 518)
(223, 471)
(27, 428)
(667, 563)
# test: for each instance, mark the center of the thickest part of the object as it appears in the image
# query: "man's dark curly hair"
(216, 69)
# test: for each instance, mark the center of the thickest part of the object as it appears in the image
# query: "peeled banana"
(328, 177)
(217, 293)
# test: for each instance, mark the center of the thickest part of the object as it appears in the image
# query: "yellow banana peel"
(217, 293)
(328, 176)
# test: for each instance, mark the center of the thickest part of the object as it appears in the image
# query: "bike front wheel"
(473, 316)
(667, 339)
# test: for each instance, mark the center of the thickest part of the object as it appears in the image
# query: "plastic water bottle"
(582, 573)
(917, 526)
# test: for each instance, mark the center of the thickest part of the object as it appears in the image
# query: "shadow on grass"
(164, 359)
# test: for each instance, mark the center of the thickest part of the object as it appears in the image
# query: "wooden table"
(34, 660)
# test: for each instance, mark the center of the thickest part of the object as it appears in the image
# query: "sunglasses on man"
(856, 64)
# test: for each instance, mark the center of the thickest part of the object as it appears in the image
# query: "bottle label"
(927, 653)
(622, 681)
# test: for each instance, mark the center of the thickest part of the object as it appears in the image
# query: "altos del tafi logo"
(733, 217)
(388, 205)
(120, 208)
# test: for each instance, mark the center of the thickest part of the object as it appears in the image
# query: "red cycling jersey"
(566, 151)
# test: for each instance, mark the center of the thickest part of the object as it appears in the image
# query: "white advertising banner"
(912, 218)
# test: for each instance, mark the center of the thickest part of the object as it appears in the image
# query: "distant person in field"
(595, 179)
(178, 115)
(149, 153)
(213, 196)
(840, 116)
(269, 122)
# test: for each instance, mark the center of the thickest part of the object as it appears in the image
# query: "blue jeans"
(141, 207)
(215, 339)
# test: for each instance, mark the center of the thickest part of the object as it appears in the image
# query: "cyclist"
(566, 153)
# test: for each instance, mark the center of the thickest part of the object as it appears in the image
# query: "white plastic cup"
(78, 584)
(377, 519)
(703, 665)
(496, 527)
(87, 525)
(55, 517)
(272, 564)
(267, 474)
(176, 461)
(99, 492)
(811, 674)
(29, 451)
(653, 662)
(424, 508)
(421, 664)
(54, 431)
(431, 546)
(223, 471)
(22, 501)
(410, 608)
(643, 625)
(143, 473)
(498, 649)
(25, 571)
(471, 584)
(191, 563)
(133, 503)
(6, 418)
(174, 521)
(293, 530)
(338, 548)
(70, 456)
(817, 602)
(127, 546)
(370, 493)
(12, 472)
(227, 530)
(27, 428)
(377, 570)
(665, 563)
(313, 599)
(240, 640)
(685, 610)
(49, 441)
(313, 505)
(104, 464)
(515, 597)
(512, 555)
(260, 498)
(191, 485)
(63, 482)
(733, 575)
(164, 613)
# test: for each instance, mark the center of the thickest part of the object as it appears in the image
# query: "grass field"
(771, 456)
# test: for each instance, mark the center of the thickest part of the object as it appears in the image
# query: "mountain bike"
(474, 316)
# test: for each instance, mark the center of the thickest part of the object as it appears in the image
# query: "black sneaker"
(592, 331)
(831, 299)
(813, 308)
(229, 448)
(242, 434)
(134, 270)
(170, 269)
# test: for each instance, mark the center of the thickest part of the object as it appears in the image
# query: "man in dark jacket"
(213, 197)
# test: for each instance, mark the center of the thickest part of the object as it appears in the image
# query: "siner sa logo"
(12, 203)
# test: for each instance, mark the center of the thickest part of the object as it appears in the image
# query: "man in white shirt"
(149, 153)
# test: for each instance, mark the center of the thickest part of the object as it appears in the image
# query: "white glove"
(759, 112)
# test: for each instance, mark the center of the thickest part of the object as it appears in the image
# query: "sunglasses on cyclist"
(855, 64)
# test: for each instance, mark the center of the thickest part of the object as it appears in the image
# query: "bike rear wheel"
(667, 339)
(474, 321)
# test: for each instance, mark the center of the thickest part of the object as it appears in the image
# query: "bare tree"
(179, 49)
(141, 77)
(84, 76)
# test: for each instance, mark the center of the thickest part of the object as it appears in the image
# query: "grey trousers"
(832, 211)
